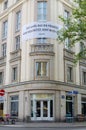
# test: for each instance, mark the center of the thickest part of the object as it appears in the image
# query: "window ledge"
(42, 78)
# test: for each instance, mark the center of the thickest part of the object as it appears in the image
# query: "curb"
(36, 125)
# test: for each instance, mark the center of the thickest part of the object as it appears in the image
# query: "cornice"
(67, 3)
(52, 82)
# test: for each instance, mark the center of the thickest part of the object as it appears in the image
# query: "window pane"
(69, 74)
(38, 108)
(67, 40)
(69, 105)
(14, 98)
(4, 49)
(42, 10)
(84, 77)
(66, 14)
(5, 4)
(32, 112)
(41, 40)
(41, 68)
(45, 108)
(84, 108)
(1, 77)
(17, 40)
(14, 105)
(18, 20)
(14, 108)
(5, 29)
(67, 43)
(15, 73)
(69, 108)
(38, 68)
(51, 108)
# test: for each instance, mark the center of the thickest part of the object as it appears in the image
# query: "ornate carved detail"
(2, 60)
(83, 62)
(16, 54)
(68, 54)
(42, 48)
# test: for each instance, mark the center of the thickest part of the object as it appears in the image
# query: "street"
(19, 128)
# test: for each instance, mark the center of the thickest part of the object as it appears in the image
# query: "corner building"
(38, 74)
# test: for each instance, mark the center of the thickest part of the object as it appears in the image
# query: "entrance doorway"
(69, 106)
(83, 105)
(42, 109)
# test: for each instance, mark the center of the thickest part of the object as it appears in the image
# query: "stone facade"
(40, 80)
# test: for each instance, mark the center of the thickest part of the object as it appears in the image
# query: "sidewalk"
(46, 124)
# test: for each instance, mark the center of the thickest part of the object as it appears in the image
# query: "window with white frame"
(5, 28)
(1, 77)
(17, 42)
(4, 49)
(41, 40)
(14, 104)
(66, 14)
(70, 73)
(5, 4)
(84, 77)
(42, 10)
(18, 20)
(67, 44)
(14, 73)
(67, 40)
(41, 68)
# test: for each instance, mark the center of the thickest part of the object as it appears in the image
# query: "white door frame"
(41, 106)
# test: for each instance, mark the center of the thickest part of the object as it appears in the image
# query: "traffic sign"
(2, 92)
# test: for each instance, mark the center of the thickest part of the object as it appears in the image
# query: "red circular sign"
(2, 92)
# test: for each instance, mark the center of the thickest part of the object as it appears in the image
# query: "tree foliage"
(76, 28)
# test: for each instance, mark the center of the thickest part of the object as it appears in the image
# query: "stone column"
(57, 107)
(5, 111)
(62, 105)
(27, 104)
(78, 103)
(21, 105)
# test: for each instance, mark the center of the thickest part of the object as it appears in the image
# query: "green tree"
(75, 28)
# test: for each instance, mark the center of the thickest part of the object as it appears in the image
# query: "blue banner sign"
(72, 92)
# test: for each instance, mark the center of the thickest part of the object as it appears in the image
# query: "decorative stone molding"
(42, 48)
(2, 60)
(68, 54)
(15, 55)
(82, 62)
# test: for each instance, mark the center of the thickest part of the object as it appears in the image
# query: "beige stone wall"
(28, 15)
(27, 82)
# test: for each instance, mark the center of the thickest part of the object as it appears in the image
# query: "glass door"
(41, 110)
(38, 108)
(45, 108)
